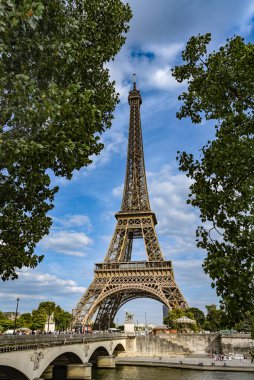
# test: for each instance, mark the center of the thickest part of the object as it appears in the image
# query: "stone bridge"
(60, 356)
(70, 357)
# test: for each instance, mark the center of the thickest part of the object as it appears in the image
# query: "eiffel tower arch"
(119, 279)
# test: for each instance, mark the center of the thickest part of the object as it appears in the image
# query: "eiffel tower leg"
(118, 244)
(82, 311)
(107, 312)
(151, 241)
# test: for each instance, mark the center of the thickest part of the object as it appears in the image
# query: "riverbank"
(202, 364)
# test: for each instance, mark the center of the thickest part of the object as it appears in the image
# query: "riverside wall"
(197, 344)
(238, 343)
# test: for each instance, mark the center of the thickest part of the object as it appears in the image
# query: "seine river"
(155, 373)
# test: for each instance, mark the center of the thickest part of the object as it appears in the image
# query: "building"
(11, 315)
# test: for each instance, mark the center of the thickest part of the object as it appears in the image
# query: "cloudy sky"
(85, 206)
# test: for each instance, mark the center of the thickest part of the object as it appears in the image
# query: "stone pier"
(106, 362)
(48, 373)
(74, 371)
(79, 371)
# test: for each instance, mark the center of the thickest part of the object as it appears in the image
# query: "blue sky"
(85, 206)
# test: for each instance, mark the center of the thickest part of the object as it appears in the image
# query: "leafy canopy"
(39, 317)
(220, 86)
(55, 101)
(174, 314)
(215, 319)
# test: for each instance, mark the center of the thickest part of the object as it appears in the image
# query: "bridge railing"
(64, 338)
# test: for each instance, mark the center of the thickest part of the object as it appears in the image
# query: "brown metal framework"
(118, 279)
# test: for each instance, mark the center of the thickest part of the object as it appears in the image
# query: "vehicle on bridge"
(113, 330)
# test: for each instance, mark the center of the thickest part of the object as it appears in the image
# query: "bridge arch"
(99, 351)
(65, 358)
(10, 373)
(119, 350)
(62, 358)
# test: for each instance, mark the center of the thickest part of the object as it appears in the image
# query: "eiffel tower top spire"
(135, 194)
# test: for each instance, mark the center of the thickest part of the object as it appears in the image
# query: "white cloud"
(159, 31)
(168, 193)
(74, 220)
(33, 287)
(152, 74)
(166, 52)
(162, 79)
(78, 220)
(67, 242)
(46, 279)
(13, 296)
(114, 143)
(118, 191)
(169, 20)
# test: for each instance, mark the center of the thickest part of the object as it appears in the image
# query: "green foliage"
(197, 315)
(45, 309)
(62, 319)
(55, 101)
(5, 323)
(173, 314)
(215, 319)
(24, 320)
(246, 324)
(38, 320)
(176, 313)
(221, 87)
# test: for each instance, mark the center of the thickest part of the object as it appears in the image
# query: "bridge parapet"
(28, 342)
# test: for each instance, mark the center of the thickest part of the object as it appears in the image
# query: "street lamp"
(72, 320)
(16, 314)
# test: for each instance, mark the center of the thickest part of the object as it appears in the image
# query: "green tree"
(221, 87)
(246, 324)
(45, 309)
(55, 101)
(173, 314)
(40, 315)
(62, 319)
(24, 320)
(38, 320)
(216, 319)
(5, 322)
(197, 315)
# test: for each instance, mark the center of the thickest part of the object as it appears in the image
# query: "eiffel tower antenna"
(119, 279)
(134, 81)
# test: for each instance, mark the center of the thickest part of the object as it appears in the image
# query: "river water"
(156, 373)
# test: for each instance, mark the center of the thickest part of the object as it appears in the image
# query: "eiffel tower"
(119, 279)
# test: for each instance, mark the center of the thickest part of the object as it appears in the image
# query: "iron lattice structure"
(118, 279)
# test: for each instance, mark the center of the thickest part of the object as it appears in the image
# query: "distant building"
(164, 311)
(10, 315)
(158, 330)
